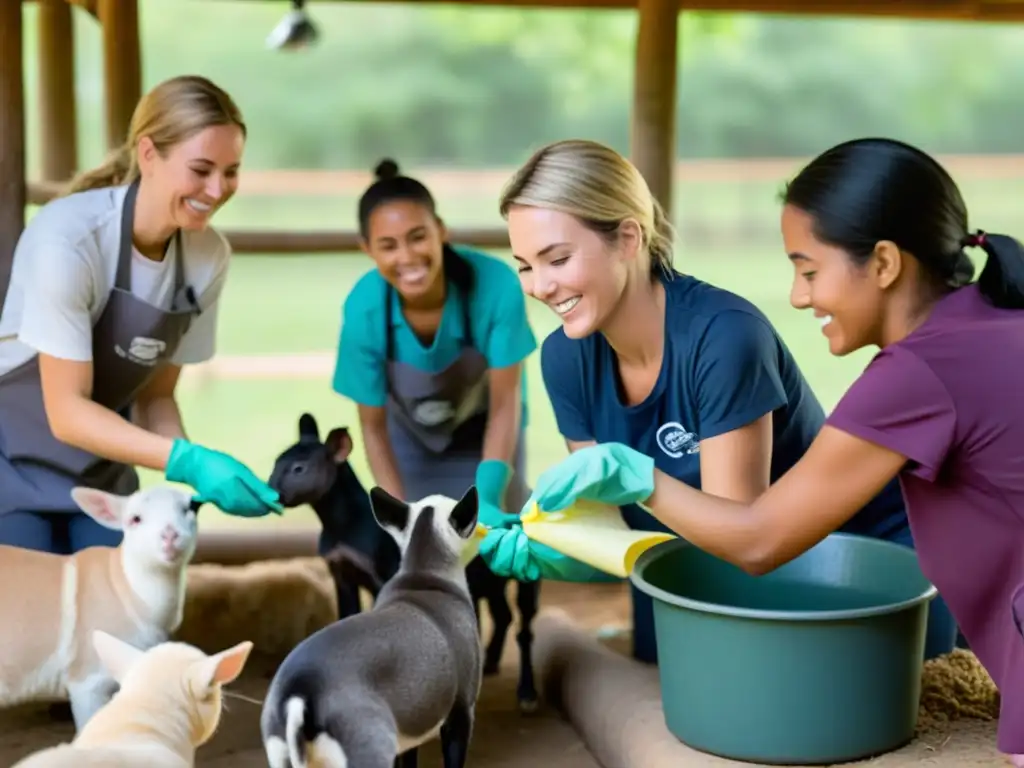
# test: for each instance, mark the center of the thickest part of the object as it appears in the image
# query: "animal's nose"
(171, 535)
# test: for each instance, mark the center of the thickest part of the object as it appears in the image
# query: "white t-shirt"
(64, 269)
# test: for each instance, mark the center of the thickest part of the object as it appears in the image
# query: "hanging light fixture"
(296, 30)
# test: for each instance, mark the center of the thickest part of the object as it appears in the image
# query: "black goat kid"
(317, 473)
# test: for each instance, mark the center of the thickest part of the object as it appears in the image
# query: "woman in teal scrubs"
(432, 348)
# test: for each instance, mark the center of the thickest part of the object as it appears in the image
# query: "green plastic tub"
(818, 662)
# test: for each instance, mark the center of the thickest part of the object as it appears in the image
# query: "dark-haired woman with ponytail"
(692, 378)
(432, 349)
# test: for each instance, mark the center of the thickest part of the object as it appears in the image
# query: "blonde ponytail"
(119, 167)
(661, 245)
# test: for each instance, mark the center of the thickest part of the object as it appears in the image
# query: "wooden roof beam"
(963, 10)
(948, 10)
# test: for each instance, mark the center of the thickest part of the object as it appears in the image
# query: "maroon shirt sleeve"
(900, 404)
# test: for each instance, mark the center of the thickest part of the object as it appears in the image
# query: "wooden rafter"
(962, 10)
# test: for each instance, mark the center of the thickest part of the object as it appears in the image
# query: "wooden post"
(12, 137)
(122, 66)
(57, 110)
(653, 133)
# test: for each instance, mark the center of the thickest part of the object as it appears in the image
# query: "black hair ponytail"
(458, 270)
(1002, 279)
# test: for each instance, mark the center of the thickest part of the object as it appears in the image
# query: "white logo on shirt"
(143, 350)
(674, 439)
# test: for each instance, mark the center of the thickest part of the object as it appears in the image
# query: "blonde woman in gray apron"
(114, 288)
(432, 349)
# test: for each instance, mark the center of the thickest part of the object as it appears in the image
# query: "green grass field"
(291, 304)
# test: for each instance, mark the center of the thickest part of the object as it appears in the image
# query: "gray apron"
(129, 342)
(436, 421)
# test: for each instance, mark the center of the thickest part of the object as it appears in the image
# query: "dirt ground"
(505, 738)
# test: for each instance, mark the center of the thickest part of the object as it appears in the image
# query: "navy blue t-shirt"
(724, 367)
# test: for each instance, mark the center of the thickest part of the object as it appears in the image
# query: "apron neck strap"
(389, 333)
(123, 279)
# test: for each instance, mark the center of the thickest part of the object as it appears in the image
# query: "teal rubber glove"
(221, 480)
(492, 479)
(509, 552)
(610, 473)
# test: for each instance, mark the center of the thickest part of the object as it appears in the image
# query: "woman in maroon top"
(876, 232)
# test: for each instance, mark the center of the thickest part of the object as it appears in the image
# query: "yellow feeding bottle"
(472, 548)
(592, 533)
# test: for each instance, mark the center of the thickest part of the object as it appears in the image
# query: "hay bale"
(955, 687)
(274, 603)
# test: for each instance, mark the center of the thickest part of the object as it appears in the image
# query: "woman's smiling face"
(845, 299)
(568, 266)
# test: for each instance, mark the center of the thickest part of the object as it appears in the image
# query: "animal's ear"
(116, 655)
(225, 667)
(107, 509)
(309, 432)
(464, 514)
(339, 443)
(388, 511)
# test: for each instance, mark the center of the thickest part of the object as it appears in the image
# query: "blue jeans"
(941, 636)
(61, 533)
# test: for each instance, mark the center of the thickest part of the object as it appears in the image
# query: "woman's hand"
(221, 480)
(610, 473)
(509, 553)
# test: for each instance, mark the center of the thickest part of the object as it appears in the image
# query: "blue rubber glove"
(492, 479)
(509, 553)
(610, 473)
(221, 480)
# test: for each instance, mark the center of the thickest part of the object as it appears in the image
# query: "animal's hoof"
(491, 669)
(528, 706)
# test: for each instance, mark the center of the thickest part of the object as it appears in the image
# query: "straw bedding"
(601, 708)
(615, 705)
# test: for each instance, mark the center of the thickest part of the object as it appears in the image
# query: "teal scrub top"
(500, 330)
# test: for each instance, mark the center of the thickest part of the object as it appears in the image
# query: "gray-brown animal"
(316, 472)
(376, 685)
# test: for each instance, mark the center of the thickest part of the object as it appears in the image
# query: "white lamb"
(51, 604)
